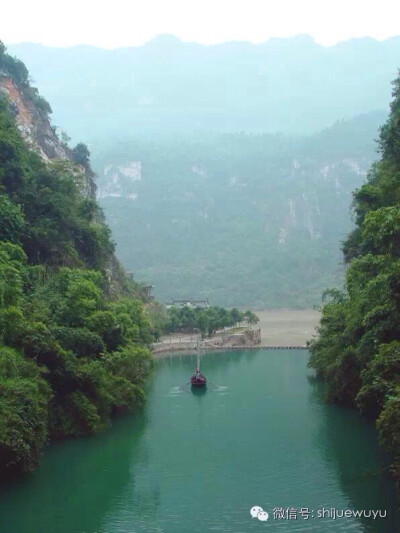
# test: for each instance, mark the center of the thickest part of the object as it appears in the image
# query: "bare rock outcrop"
(34, 124)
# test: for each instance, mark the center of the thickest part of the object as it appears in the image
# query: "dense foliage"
(358, 348)
(245, 220)
(207, 321)
(72, 338)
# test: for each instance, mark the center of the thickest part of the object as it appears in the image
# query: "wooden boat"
(198, 379)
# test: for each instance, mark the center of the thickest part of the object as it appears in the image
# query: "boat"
(198, 379)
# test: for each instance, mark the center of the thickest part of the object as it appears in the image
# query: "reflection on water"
(76, 485)
(196, 460)
(353, 453)
(198, 391)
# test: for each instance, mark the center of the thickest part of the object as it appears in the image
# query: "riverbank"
(228, 339)
(279, 328)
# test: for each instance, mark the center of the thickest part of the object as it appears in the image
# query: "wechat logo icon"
(258, 512)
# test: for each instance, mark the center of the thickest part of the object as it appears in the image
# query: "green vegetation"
(81, 154)
(15, 68)
(207, 321)
(73, 330)
(245, 220)
(358, 348)
(249, 219)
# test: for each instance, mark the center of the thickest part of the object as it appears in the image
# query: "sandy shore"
(279, 327)
(287, 326)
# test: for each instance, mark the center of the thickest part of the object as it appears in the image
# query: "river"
(260, 435)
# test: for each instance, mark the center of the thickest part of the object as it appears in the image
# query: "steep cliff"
(73, 329)
(31, 113)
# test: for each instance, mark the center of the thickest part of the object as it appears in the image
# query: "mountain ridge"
(280, 85)
(163, 38)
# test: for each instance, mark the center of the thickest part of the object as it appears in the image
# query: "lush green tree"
(81, 341)
(11, 221)
(236, 316)
(207, 321)
(380, 379)
(24, 397)
(357, 351)
(251, 317)
(74, 331)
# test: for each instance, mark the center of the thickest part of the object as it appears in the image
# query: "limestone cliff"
(33, 122)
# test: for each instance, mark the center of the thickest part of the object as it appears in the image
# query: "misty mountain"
(198, 208)
(290, 85)
(242, 219)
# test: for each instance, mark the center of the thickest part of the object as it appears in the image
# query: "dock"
(261, 347)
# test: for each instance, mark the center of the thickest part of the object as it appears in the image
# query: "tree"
(236, 316)
(251, 317)
(81, 154)
(12, 220)
(357, 350)
(24, 397)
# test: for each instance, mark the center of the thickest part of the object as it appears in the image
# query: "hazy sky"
(131, 22)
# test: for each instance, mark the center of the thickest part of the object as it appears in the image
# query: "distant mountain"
(198, 208)
(242, 219)
(289, 85)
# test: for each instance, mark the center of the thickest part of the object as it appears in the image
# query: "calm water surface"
(199, 462)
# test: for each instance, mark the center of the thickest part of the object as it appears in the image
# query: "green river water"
(198, 462)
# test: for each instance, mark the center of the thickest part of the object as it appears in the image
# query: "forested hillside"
(291, 85)
(357, 351)
(73, 330)
(241, 219)
(203, 197)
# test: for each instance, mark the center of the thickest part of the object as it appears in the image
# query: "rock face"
(118, 180)
(37, 131)
(33, 124)
(31, 115)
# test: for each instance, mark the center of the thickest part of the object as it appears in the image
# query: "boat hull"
(202, 382)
